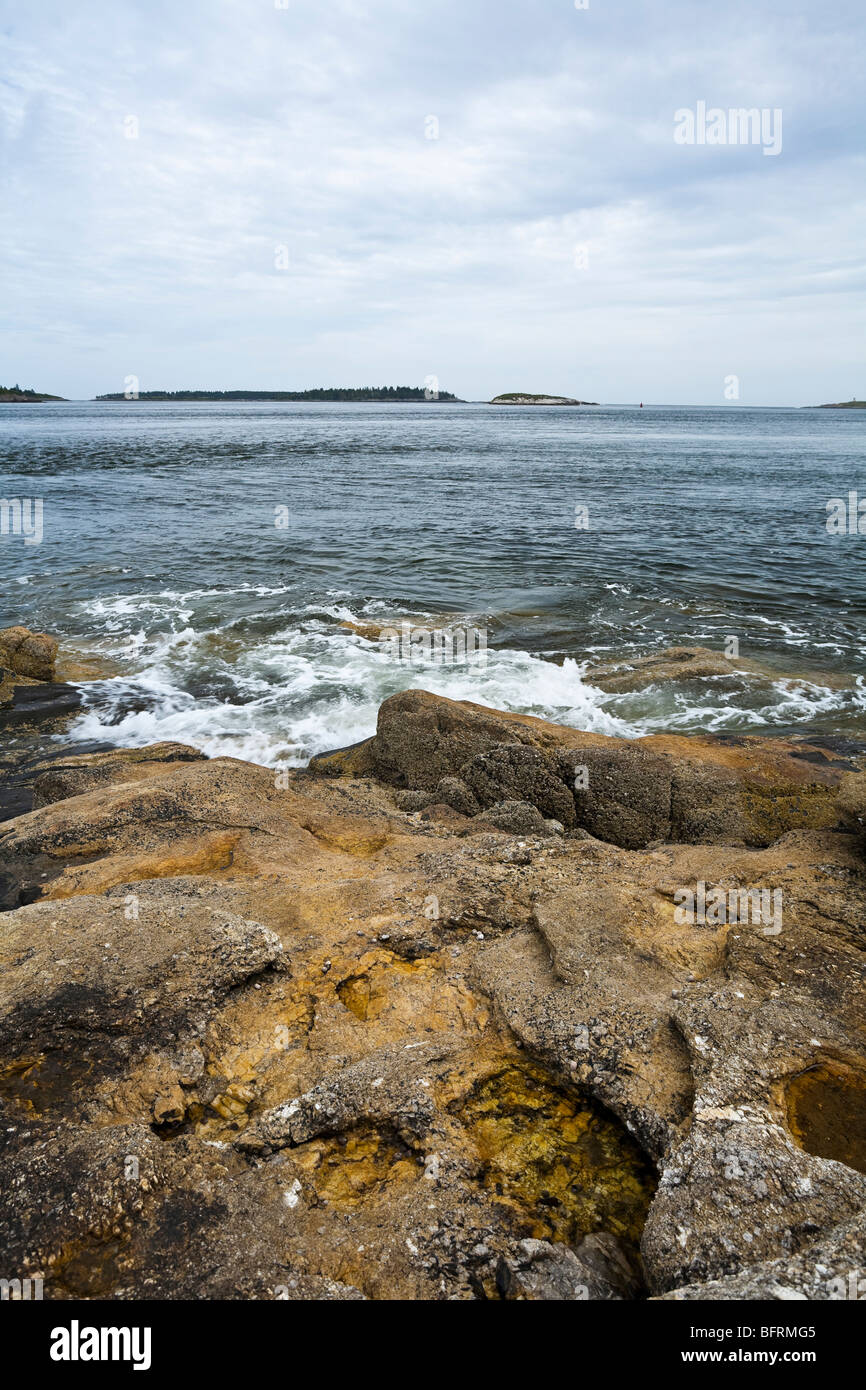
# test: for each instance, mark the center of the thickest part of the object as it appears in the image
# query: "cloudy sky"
(233, 193)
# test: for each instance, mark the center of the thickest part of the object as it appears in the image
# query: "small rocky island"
(528, 398)
(843, 405)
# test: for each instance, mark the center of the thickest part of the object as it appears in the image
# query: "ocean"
(209, 560)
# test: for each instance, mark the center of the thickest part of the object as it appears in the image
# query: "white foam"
(312, 685)
(303, 692)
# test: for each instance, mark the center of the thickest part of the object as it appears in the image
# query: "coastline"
(427, 974)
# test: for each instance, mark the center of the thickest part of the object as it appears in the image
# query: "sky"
(279, 194)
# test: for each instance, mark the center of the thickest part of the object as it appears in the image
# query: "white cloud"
(305, 128)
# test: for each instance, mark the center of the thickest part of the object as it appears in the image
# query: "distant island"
(842, 405)
(527, 398)
(25, 394)
(320, 393)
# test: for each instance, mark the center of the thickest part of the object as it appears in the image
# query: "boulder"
(674, 664)
(27, 653)
(513, 817)
(511, 772)
(706, 805)
(443, 814)
(458, 794)
(692, 789)
(421, 738)
(543, 1272)
(621, 794)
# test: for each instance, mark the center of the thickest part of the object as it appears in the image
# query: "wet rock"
(16, 792)
(672, 664)
(369, 631)
(22, 764)
(675, 664)
(612, 1273)
(826, 1110)
(32, 701)
(543, 1272)
(355, 760)
(35, 704)
(76, 773)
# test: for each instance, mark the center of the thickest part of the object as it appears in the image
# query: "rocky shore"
(424, 1020)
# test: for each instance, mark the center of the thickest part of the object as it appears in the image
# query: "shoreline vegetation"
(397, 394)
(24, 394)
(319, 393)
